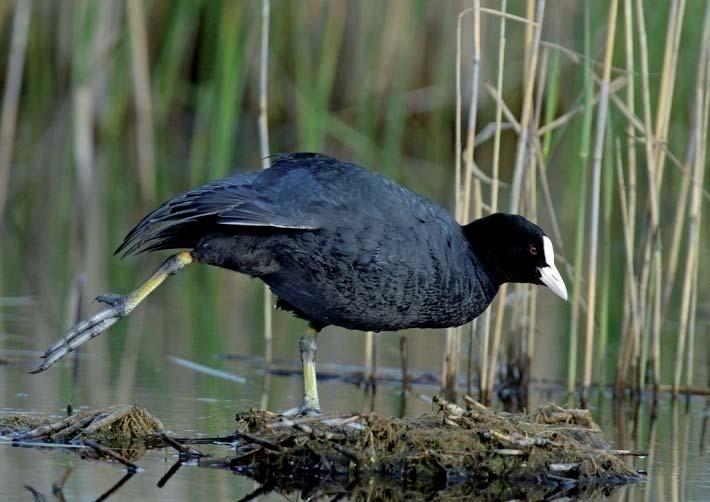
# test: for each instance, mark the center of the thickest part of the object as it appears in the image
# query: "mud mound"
(448, 449)
(114, 427)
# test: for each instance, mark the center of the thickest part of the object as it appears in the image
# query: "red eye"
(533, 249)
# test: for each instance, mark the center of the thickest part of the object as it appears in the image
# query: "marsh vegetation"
(588, 117)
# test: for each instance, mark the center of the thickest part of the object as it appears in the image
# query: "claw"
(80, 334)
(119, 307)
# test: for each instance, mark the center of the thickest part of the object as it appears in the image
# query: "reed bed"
(590, 118)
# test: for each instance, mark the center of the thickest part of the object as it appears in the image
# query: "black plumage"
(344, 246)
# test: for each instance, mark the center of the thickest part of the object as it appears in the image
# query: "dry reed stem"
(596, 189)
(477, 213)
(473, 108)
(506, 15)
(663, 113)
(452, 359)
(531, 305)
(668, 78)
(457, 141)
(630, 286)
(495, 343)
(554, 225)
(691, 153)
(700, 160)
(694, 218)
(690, 359)
(651, 170)
(517, 180)
(616, 85)
(486, 320)
(504, 108)
(528, 45)
(588, 94)
(263, 123)
(499, 111)
(11, 96)
(629, 251)
(143, 101)
(458, 192)
(527, 110)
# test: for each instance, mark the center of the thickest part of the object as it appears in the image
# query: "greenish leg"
(310, 386)
(119, 306)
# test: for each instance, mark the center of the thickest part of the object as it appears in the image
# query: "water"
(191, 403)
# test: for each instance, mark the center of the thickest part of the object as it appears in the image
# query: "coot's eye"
(533, 249)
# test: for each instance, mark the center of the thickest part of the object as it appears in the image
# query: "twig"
(181, 448)
(510, 452)
(563, 467)
(326, 436)
(112, 454)
(259, 441)
(473, 404)
(291, 422)
(524, 442)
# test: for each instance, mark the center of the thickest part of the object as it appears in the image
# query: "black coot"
(338, 245)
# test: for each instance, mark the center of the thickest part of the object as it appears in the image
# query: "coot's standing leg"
(311, 405)
(307, 345)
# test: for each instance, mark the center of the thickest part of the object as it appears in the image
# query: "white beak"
(549, 275)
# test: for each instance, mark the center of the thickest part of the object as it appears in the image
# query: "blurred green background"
(372, 84)
(124, 104)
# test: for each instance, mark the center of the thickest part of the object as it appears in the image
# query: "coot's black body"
(336, 243)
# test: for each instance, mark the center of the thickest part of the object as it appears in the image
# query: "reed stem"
(486, 317)
(265, 161)
(581, 207)
(143, 101)
(596, 189)
(520, 155)
(11, 96)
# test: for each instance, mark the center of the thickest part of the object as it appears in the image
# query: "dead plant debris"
(120, 426)
(451, 452)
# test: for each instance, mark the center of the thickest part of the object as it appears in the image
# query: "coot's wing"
(182, 220)
(299, 192)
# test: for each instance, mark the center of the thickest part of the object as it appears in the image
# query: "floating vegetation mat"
(452, 451)
(123, 427)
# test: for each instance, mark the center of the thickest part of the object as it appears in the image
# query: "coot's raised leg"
(311, 405)
(119, 307)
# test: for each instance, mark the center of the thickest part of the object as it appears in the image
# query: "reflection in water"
(205, 314)
(190, 405)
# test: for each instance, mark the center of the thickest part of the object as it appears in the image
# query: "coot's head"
(513, 249)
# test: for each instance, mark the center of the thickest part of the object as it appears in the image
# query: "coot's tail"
(181, 221)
